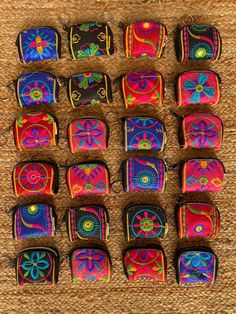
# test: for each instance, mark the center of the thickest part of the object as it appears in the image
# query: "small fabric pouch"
(144, 38)
(196, 266)
(147, 262)
(90, 263)
(202, 175)
(34, 130)
(39, 43)
(197, 87)
(35, 178)
(36, 88)
(144, 173)
(87, 134)
(91, 39)
(89, 88)
(144, 133)
(142, 88)
(200, 130)
(87, 222)
(37, 265)
(34, 221)
(145, 222)
(197, 42)
(88, 178)
(197, 220)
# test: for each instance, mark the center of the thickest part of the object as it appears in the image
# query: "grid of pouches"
(143, 224)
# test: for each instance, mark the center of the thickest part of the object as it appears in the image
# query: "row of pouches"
(137, 88)
(138, 174)
(141, 38)
(37, 265)
(91, 222)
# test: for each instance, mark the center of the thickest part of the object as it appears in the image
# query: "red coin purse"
(35, 178)
(202, 175)
(142, 88)
(34, 130)
(197, 220)
(88, 178)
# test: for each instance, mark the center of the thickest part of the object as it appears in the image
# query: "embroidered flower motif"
(39, 44)
(33, 176)
(146, 224)
(88, 79)
(36, 92)
(203, 133)
(91, 260)
(142, 79)
(146, 142)
(89, 26)
(199, 88)
(89, 50)
(35, 264)
(197, 259)
(88, 133)
(130, 99)
(101, 36)
(36, 139)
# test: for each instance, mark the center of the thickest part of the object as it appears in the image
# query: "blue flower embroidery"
(90, 259)
(203, 133)
(199, 88)
(197, 259)
(142, 79)
(34, 265)
(88, 134)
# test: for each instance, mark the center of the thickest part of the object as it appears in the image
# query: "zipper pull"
(122, 25)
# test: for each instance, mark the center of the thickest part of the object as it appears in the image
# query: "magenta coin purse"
(87, 222)
(90, 263)
(87, 134)
(144, 173)
(200, 130)
(202, 175)
(198, 87)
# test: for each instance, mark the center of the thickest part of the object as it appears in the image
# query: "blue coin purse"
(39, 43)
(36, 88)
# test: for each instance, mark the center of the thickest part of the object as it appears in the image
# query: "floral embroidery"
(33, 176)
(88, 133)
(89, 50)
(35, 92)
(197, 259)
(142, 79)
(90, 259)
(203, 133)
(35, 264)
(89, 26)
(89, 79)
(36, 140)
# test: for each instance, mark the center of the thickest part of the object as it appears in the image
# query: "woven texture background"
(119, 296)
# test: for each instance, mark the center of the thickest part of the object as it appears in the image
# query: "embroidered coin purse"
(202, 175)
(142, 88)
(87, 134)
(90, 39)
(144, 173)
(147, 262)
(144, 221)
(200, 130)
(89, 88)
(144, 133)
(196, 266)
(39, 43)
(197, 42)
(144, 38)
(87, 222)
(34, 130)
(35, 178)
(36, 88)
(197, 220)
(90, 263)
(34, 221)
(197, 87)
(88, 178)
(37, 265)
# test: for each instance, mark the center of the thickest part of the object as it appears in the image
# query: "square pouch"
(144, 38)
(87, 222)
(34, 130)
(36, 88)
(142, 88)
(200, 130)
(196, 266)
(87, 134)
(145, 262)
(37, 265)
(144, 133)
(39, 43)
(197, 87)
(90, 263)
(91, 39)
(202, 175)
(89, 88)
(144, 173)
(197, 220)
(35, 178)
(145, 222)
(34, 221)
(88, 178)
(197, 42)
